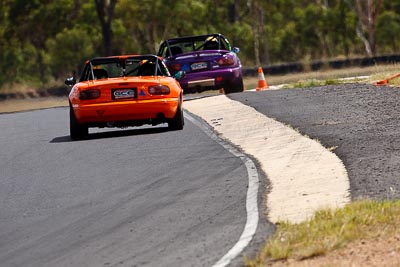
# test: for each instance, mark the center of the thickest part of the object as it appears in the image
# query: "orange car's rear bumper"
(125, 110)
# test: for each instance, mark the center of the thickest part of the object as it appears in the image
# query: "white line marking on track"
(251, 198)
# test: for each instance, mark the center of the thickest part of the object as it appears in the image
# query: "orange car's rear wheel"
(177, 122)
(77, 131)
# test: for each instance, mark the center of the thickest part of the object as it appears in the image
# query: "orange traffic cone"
(262, 83)
(386, 81)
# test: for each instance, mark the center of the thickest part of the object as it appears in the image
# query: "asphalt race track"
(134, 197)
(361, 120)
(150, 197)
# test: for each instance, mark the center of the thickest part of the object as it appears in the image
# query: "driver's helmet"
(211, 43)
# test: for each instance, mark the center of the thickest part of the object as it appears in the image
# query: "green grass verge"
(312, 83)
(15, 105)
(329, 76)
(329, 230)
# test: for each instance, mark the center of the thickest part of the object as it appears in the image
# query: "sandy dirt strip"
(304, 176)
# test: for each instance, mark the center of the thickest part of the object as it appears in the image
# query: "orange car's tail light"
(226, 60)
(159, 90)
(89, 94)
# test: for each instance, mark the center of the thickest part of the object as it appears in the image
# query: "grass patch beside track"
(330, 230)
(318, 78)
(14, 105)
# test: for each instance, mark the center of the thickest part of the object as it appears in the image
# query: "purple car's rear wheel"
(234, 87)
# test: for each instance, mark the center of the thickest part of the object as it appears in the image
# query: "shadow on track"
(112, 134)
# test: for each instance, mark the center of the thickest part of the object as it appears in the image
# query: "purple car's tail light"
(89, 94)
(226, 61)
(175, 67)
(159, 89)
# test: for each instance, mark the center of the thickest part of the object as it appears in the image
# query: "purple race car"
(209, 62)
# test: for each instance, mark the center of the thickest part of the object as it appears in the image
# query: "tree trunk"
(256, 31)
(105, 12)
(367, 12)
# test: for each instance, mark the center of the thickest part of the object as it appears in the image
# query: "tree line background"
(44, 41)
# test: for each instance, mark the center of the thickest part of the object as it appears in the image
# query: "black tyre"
(235, 87)
(76, 130)
(177, 122)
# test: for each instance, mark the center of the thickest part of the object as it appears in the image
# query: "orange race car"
(122, 91)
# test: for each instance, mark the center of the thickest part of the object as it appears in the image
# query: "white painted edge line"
(251, 198)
